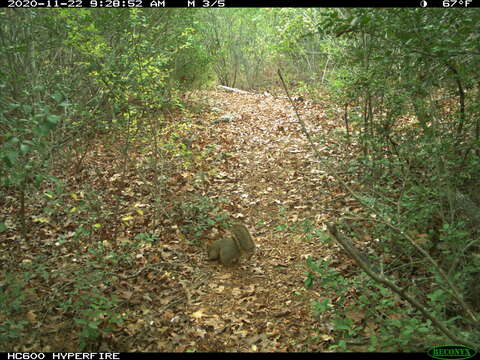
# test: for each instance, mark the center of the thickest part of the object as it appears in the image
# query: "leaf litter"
(171, 298)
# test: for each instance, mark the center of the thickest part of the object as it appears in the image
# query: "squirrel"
(229, 250)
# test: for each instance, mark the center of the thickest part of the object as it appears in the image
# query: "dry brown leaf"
(199, 313)
(31, 317)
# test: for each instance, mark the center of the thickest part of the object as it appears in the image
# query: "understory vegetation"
(347, 140)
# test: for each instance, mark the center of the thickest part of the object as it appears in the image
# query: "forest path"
(167, 296)
(280, 192)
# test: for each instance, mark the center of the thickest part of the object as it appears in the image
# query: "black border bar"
(465, 4)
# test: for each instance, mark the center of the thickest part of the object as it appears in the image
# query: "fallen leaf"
(199, 313)
(31, 317)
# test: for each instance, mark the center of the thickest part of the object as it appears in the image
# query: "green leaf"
(436, 295)
(53, 119)
(10, 158)
(24, 148)
(3, 227)
(14, 140)
(57, 97)
(93, 325)
(42, 130)
(342, 324)
(27, 109)
(320, 306)
(37, 181)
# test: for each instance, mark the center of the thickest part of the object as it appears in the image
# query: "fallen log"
(233, 89)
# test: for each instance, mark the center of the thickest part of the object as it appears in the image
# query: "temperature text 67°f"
(456, 3)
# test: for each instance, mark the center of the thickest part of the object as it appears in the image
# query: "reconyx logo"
(446, 352)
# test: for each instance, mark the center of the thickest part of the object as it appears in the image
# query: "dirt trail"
(171, 298)
(262, 305)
